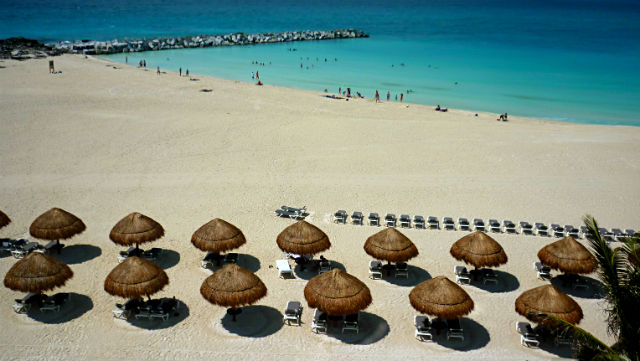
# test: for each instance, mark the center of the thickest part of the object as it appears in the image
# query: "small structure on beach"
(569, 256)
(337, 293)
(479, 250)
(136, 228)
(549, 300)
(135, 277)
(442, 298)
(36, 273)
(233, 286)
(303, 238)
(218, 236)
(390, 245)
(4, 219)
(56, 224)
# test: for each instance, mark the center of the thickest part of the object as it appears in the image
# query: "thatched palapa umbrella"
(479, 250)
(550, 300)
(303, 238)
(218, 236)
(135, 277)
(442, 298)
(4, 219)
(569, 256)
(37, 273)
(135, 228)
(56, 224)
(337, 293)
(233, 286)
(390, 245)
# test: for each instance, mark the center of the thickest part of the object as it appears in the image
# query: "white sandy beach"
(101, 140)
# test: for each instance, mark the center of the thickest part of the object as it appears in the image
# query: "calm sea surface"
(564, 60)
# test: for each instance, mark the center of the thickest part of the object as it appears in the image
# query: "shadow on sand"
(246, 261)
(157, 324)
(416, 276)
(506, 283)
(372, 328)
(168, 258)
(594, 289)
(475, 336)
(76, 306)
(311, 270)
(254, 321)
(77, 253)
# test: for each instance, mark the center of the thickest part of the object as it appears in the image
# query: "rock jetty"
(19, 48)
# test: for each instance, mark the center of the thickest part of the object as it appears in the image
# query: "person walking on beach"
(401, 96)
(187, 73)
(377, 97)
(257, 76)
(388, 95)
(180, 71)
(126, 60)
(144, 63)
(158, 72)
(51, 67)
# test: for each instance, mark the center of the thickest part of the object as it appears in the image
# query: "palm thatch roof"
(56, 224)
(4, 219)
(569, 256)
(390, 245)
(479, 250)
(550, 300)
(135, 277)
(233, 286)
(441, 297)
(37, 273)
(136, 228)
(303, 238)
(218, 236)
(337, 293)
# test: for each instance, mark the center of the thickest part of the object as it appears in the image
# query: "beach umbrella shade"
(56, 224)
(569, 256)
(550, 300)
(233, 286)
(442, 298)
(218, 236)
(337, 293)
(303, 238)
(135, 229)
(4, 219)
(37, 273)
(135, 277)
(390, 245)
(479, 250)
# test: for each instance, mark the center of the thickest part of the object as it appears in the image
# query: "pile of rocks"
(22, 49)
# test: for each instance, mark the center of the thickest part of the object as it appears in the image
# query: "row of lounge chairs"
(291, 212)
(21, 247)
(215, 259)
(285, 271)
(161, 308)
(153, 254)
(39, 300)
(493, 225)
(424, 328)
(400, 270)
(349, 322)
(486, 275)
(531, 337)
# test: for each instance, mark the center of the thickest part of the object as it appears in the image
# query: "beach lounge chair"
(351, 323)
(558, 230)
(542, 230)
(433, 222)
(579, 282)
(340, 216)
(390, 220)
(211, 259)
(293, 312)
(291, 212)
(572, 231)
(630, 232)
(50, 247)
(22, 251)
(319, 323)
(606, 234)
(544, 272)
(152, 254)
(448, 224)
(563, 340)
(454, 329)
(284, 269)
(357, 218)
(489, 276)
(163, 309)
(130, 252)
(55, 302)
(402, 270)
(375, 270)
(462, 275)
(324, 265)
(374, 219)
(526, 228)
(231, 258)
(405, 221)
(494, 226)
(527, 336)
(585, 231)
(128, 309)
(423, 327)
(478, 224)
(418, 222)
(23, 305)
(463, 224)
(617, 234)
(509, 226)
(6, 245)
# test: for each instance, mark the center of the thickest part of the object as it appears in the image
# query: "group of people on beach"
(503, 117)
(389, 96)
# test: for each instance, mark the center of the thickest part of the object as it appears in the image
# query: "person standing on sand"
(257, 76)
(180, 71)
(388, 95)
(158, 72)
(187, 73)
(144, 63)
(126, 60)
(377, 97)
(401, 96)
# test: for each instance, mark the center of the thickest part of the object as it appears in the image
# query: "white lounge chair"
(617, 234)
(375, 270)
(509, 226)
(585, 231)
(448, 224)
(418, 222)
(402, 270)
(130, 252)
(462, 275)
(357, 218)
(405, 221)
(128, 309)
(494, 226)
(572, 231)
(22, 251)
(319, 323)
(284, 269)
(390, 220)
(324, 266)
(454, 329)
(293, 312)
(527, 336)
(351, 323)
(526, 228)
(544, 272)
(291, 212)
(374, 219)
(606, 234)
(463, 224)
(423, 328)
(433, 222)
(542, 229)
(340, 216)
(23, 305)
(478, 224)
(558, 230)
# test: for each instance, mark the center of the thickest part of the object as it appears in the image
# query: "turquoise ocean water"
(563, 60)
